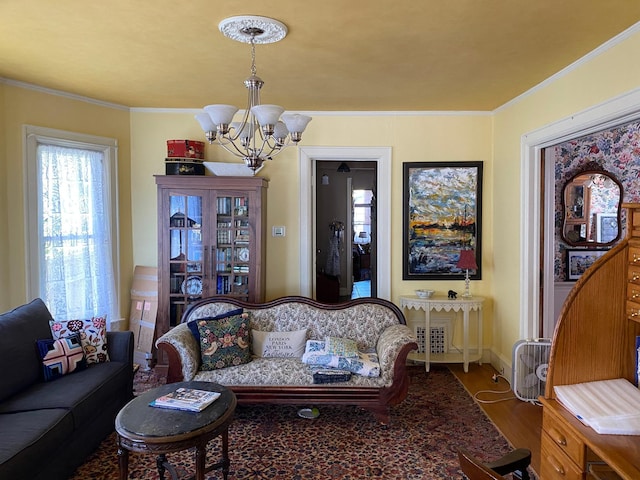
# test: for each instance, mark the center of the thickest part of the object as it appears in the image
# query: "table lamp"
(467, 261)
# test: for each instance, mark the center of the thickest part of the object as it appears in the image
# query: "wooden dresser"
(594, 340)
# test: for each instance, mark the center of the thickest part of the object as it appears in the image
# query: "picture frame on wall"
(579, 260)
(442, 215)
(606, 227)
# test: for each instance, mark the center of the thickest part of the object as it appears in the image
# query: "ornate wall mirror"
(591, 206)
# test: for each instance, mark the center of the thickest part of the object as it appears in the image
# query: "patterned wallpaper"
(617, 151)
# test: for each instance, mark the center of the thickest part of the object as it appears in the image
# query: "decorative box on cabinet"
(211, 239)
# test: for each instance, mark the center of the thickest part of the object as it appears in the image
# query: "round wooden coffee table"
(144, 429)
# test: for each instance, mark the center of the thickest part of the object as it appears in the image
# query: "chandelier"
(264, 130)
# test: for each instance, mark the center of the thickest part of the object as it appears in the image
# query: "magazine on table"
(189, 399)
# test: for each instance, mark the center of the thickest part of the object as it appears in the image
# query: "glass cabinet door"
(233, 249)
(186, 253)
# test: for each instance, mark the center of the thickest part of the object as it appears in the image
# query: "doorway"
(537, 296)
(345, 230)
(308, 158)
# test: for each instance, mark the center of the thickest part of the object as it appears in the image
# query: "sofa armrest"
(183, 352)
(120, 347)
(394, 344)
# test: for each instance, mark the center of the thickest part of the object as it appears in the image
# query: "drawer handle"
(634, 294)
(556, 466)
(636, 258)
(635, 277)
(558, 437)
(635, 314)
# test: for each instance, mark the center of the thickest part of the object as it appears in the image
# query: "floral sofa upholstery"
(376, 325)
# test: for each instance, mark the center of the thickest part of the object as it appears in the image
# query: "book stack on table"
(188, 399)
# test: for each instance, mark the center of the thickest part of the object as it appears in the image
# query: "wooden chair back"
(474, 469)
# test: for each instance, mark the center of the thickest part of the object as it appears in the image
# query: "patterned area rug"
(273, 442)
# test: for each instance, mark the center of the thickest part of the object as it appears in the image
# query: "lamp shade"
(205, 122)
(267, 114)
(221, 114)
(295, 122)
(467, 260)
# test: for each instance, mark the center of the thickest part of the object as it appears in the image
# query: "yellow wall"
(598, 80)
(412, 138)
(29, 107)
(4, 224)
(142, 139)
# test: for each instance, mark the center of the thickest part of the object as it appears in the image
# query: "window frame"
(32, 136)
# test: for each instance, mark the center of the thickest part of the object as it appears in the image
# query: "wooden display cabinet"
(211, 240)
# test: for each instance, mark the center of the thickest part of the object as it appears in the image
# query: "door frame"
(308, 157)
(619, 110)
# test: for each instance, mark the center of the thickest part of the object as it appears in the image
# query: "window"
(72, 231)
(362, 216)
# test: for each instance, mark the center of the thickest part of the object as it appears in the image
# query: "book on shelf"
(189, 399)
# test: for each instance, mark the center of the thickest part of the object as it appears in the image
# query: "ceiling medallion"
(250, 28)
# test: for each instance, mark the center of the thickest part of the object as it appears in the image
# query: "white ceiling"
(354, 55)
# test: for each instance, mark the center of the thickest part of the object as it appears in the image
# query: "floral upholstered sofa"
(258, 373)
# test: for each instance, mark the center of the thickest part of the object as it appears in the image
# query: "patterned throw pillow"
(61, 356)
(224, 342)
(93, 334)
(193, 324)
(342, 347)
(279, 344)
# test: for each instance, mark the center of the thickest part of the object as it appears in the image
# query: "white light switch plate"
(278, 231)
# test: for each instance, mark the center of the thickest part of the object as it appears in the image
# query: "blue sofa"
(49, 428)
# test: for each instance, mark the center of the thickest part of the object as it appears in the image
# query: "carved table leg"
(225, 453)
(160, 462)
(201, 455)
(123, 461)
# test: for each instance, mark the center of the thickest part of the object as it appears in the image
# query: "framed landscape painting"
(442, 216)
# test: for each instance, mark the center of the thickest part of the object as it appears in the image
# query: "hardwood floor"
(520, 422)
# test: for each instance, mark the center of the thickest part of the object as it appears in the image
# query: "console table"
(441, 303)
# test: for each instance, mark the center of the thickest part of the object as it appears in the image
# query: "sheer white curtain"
(75, 256)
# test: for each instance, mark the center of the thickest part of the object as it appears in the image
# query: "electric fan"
(530, 362)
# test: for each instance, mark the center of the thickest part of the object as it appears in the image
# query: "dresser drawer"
(559, 434)
(633, 274)
(555, 464)
(634, 255)
(633, 293)
(633, 311)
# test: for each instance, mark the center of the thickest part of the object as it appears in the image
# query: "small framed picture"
(606, 227)
(579, 260)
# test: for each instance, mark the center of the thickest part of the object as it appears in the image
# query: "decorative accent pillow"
(193, 325)
(61, 356)
(342, 347)
(224, 342)
(93, 334)
(279, 344)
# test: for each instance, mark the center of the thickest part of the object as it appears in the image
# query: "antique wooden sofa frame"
(375, 399)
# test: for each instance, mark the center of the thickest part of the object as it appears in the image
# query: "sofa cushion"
(276, 372)
(278, 344)
(224, 342)
(193, 325)
(19, 330)
(29, 438)
(93, 332)
(61, 356)
(84, 393)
